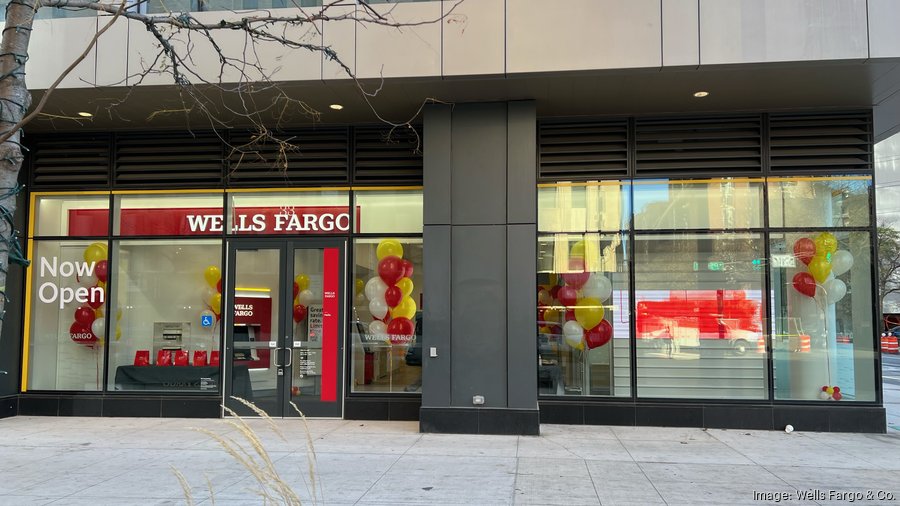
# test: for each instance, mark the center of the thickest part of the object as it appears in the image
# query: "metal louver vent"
(296, 157)
(64, 161)
(714, 146)
(168, 159)
(583, 149)
(820, 141)
(382, 156)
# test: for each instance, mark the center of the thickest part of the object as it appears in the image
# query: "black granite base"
(117, 405)
(523, 422)
(9, 406)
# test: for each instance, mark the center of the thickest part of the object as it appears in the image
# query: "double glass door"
(284, 336)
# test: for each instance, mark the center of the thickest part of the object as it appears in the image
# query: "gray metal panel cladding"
(438, 323)
(478, 188)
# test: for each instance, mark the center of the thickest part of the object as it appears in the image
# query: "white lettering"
(309, 222)
(54, 292)
(46, 265)
(198, 223)
(96, 294)
(326, 222)
(343, 222)
(259, 222)
(294, 224)
(84, 269)
(66, 269)
(280, 219)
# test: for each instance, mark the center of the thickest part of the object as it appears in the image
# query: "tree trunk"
(14, 103)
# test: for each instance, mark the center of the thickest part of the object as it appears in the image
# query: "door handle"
(275, 360)
(290, 356)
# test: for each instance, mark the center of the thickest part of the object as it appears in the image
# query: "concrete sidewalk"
(116, 461)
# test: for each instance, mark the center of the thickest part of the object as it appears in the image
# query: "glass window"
(290, 213)
(728, 203)
(822, 328)
(381, 212)
(826, 201)
(71, 215)
(160, 214)
(68, 315)
(386, 321)
(584, 207)
(698, 315)
(583, 315)
(167, 301)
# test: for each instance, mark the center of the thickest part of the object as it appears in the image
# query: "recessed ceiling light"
(701, 94)
(336, 107)
(85, 114)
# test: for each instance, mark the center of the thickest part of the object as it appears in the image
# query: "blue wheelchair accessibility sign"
(206, 321)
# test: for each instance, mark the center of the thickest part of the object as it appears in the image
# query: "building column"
(480, 353)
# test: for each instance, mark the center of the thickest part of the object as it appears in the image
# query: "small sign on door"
(206, 320)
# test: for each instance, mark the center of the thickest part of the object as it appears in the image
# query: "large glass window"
(379, 211)
(583, 315)
(71, 215)
(727, 203)
(386, 321)
(168, 215)
(68, 315)
(584, 207)
(822, 326)
(820, 201)
(698, 316)
(167, 305)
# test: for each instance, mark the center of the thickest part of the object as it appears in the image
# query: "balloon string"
(821, 307)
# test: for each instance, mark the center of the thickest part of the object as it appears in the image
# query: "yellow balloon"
(820, 268)
(360, 286)
(388, 248)
(302, 281)
(98, 313)
(551, 315)
(118, 314)
(215, 303)
(588, 312)
(405, 309)
(95, 252)
(101, 284)
(554, 279)
(212, 274)
(826, 242)
(829, 390)
(118, 333)
(580, 345)
(406, 286)
(577, 250)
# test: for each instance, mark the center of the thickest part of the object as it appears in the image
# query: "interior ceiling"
(634, 92)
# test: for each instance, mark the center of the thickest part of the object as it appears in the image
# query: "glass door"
(284, 337)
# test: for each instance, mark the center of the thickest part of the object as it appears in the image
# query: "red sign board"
(298, 220)
(330, 297)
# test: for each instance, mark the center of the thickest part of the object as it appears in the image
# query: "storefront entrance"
(284, 333)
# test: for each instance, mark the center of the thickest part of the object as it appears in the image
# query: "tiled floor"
(103, 461)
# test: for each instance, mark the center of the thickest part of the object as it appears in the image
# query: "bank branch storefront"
(197, 296)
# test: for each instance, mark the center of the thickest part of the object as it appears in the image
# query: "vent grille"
(168, 159)
(63, 161)
(711, 146)
(820, 141)
(583, 149)
(297, 157)
(384, 156)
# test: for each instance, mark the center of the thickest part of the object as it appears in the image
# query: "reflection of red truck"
(700, 314)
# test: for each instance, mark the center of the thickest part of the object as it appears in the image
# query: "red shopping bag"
(181, 358)
(164, 357)
(214, 358)
(199, 358)
(142, 358)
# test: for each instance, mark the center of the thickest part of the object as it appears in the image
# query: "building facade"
(639, 213)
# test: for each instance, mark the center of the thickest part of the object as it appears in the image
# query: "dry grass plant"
(248, 450)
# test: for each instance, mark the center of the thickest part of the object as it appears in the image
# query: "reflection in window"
(698, 311)
(819, 201)
(822, 334)
(583, 207)
(163, 214)
(386, 321)
(729, 203)
(583, 315)
(167, 302)
(68, 315)
(388, 211)
(71, 216)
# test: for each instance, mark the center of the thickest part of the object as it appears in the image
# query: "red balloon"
(599, 335)
(407, 268)
(570, 315)
(393, 295)
(390, 269)
(102, 270)
(554, 292)
(401, 330)
(837, 389)
(805, 283)
(540, 312)
(299, 313)
(219, 285)
(578, 278)
(81, 334)
(836, 395)
(96, 297)
(805, 250)
(296, 289)
(85, 315)
(567, 295)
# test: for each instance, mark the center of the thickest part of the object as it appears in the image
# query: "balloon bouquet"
(89, 327)
(581, 297)
(824, 262)
(303, 297)
(391, 304)
(212, 294)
